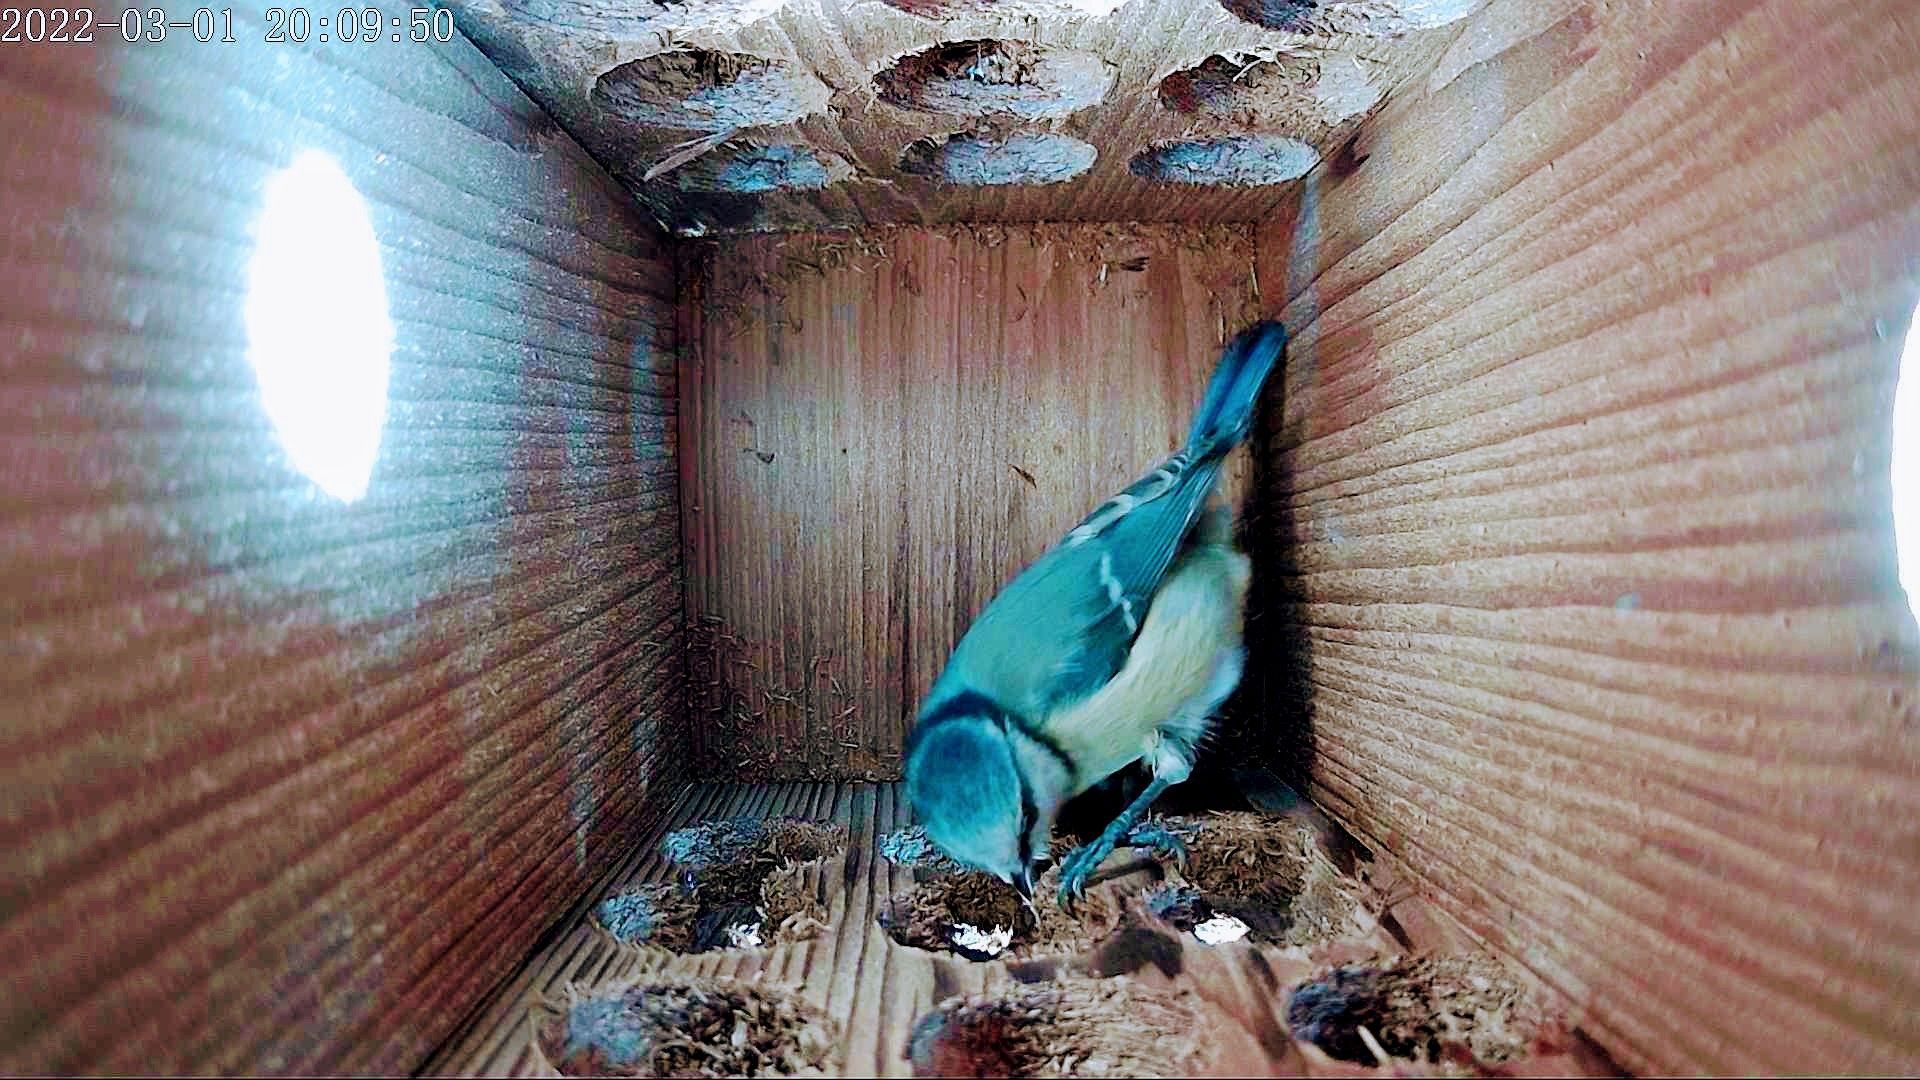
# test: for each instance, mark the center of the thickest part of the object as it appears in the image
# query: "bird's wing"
(1062, 628)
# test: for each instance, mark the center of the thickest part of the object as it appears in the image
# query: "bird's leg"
(1153, 836)
(1080, 864)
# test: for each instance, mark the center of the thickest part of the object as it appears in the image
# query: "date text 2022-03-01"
(275, 25)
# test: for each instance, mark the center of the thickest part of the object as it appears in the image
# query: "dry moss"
(911, 847)
(1424, 1009)
(946, 895)
(745, 875)
(1268, 872)
(926, 915)
(1071, 1027)
(683, 1027)
(657, 915)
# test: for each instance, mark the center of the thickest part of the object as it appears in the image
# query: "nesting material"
(959, 912)
(987, 77)
(744, 884)
(1424, 1009)
(1234, 161)
(988, 160)
(658, 915)
(911, 847)
(935, 914)
(1069, 1027)
(972, 939)
(1266, 872)
(704, 90)
(1221, 930)
(683, 1027)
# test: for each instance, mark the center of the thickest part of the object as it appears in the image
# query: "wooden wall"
(287, 783)
(1584, 469)
(882, 428)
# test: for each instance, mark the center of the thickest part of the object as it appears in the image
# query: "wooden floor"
(873, 988)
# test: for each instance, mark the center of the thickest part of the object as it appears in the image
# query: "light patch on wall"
(1906, 470)
(318, 332)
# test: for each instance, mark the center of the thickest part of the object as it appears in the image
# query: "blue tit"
(1117, 645)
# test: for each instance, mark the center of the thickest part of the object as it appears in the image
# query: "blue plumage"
(1115, 645)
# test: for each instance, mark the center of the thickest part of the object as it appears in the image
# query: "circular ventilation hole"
(1382, 19)
(1291, 89)
(988, 76)
(757, 170)
(1238, 161)
(612, 19)
(701, 90)
(987, 160)
(1294, 15)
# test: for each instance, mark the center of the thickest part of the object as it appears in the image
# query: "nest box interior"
(487, 486)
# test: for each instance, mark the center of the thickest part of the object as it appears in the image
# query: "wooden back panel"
(884, 427)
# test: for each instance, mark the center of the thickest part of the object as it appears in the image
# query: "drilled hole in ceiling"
(1381, 18)
(987, 76)
(702, 90)
(1327, 89)
(638, 18)
(974, 160)
(1236, 161)
(757, 170)
(947, 9)
(1295, 15)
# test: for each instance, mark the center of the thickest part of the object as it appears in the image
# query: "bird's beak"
(1023, 884)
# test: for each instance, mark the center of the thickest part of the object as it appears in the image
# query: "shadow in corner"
(1261, 753)
(1265, 735)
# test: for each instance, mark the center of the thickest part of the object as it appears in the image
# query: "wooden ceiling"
(732, 115)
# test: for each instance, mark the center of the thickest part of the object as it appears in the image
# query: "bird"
(1118, 644)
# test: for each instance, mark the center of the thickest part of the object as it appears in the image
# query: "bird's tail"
(1225, 417)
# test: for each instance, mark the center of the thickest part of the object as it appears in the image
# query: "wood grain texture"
(557, 49)
(287, 783)
(1580, 494)
(882, 428)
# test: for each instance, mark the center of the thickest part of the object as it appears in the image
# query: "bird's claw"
(1078, 866)
(1151, 836)
(1082, 861)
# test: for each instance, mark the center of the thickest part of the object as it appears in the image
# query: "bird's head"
(985, 790)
